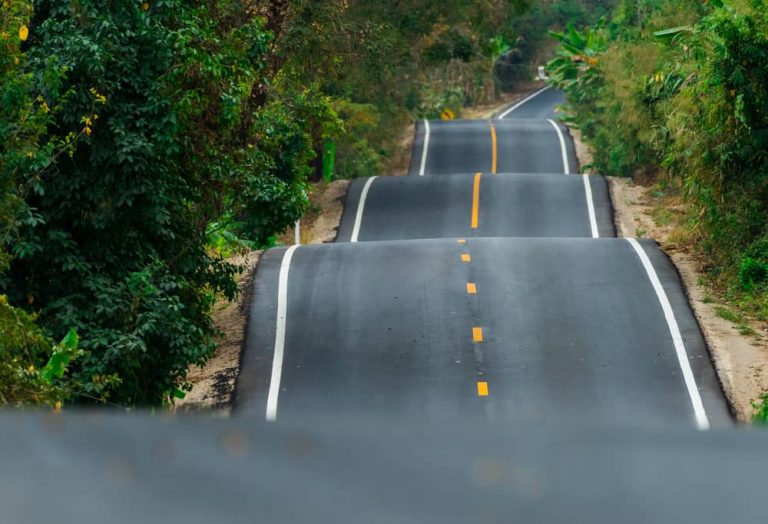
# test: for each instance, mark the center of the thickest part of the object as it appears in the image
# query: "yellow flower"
(145, 6)
(101, 99)
(57, 406)
(87, 131)
(23, 33)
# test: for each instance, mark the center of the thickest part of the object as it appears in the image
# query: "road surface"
(476, 205)
(320, 467)
(541, 105)
(495, 146)
(483, 285)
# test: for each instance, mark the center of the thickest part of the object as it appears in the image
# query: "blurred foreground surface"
(105, 468)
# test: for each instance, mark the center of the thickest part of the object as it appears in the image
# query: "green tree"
(171, 135)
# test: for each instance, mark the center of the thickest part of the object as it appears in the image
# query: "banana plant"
(673, 33)
(574, 69)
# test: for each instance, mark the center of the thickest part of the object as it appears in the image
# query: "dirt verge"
(213, 385)
(739, 349)
(321, 223)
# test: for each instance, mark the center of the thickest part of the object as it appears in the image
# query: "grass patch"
(662, 216)
(727, 314)
(738, 320)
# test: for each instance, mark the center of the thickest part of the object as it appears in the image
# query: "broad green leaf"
(669, 34)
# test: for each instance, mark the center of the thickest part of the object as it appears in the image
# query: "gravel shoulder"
(739, 350)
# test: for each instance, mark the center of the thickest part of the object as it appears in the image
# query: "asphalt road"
(324, 468)
(519, 205)
(541, 105)
(482, 286)
(497, 146)
(566, 326)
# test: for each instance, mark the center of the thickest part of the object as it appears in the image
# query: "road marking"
(462, 241)
(466, 258)
(591, 207)
(472, 288)
(563, 148)
(494, 150)
(482, 389)
(361, 209)
(425, 149)
(702, 422)
(477, 334)
(277, 359)
(476, 201)
(523, 102)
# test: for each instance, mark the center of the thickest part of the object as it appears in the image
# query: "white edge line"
(702, 422)
(361, 209)
(591, 207)
(506, 113)
(425, 148)
(563, 148)
(277, 359)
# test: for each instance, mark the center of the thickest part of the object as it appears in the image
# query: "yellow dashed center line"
(494, 150)
(472, 288)
(477, 334)
(476, 201)
(462, 241)
(482, 389)
(466, 258)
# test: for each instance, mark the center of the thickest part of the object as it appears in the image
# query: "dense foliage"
(676, 91)
(148, 141)
(32, 367)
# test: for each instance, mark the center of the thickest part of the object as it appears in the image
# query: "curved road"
(464, 293)
(540, 105)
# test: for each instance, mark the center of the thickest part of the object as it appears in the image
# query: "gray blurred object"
(103, 468)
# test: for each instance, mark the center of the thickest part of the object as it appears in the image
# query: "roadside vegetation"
(145, 142)
(675, 93)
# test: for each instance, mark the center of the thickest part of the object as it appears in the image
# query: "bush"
(355, 157)
(752, 273)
